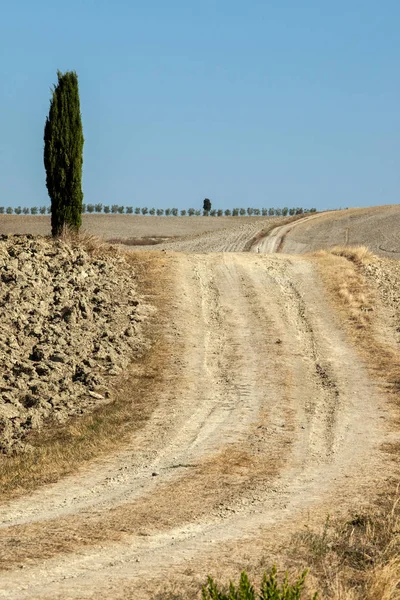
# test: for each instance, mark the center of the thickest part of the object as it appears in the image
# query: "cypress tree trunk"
(63, 154)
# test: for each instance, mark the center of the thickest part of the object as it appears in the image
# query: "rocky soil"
(71, 322)
(384, 274)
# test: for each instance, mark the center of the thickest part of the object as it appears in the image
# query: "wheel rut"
(258, 420)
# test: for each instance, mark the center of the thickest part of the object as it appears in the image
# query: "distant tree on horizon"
(206, 205)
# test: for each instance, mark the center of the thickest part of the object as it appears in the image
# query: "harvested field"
(377, 227)
(129, 226)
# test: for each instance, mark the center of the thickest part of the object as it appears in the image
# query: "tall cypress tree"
(63, 154)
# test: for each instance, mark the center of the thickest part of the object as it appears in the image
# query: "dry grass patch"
(356, 558)
(211, 486)
(360, 308)
(359, 558)
(143, 241)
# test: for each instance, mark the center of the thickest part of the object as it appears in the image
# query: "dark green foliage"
(34, 210)
(90, 208)
(174, 212)
(114, 209)
(228, 212)
(191, 212)
(42, 210)
(121, 209)
(152, 211)
(9, 210)
(129, 210)
(160, 212)
(145, 210)
(18, 210)
(207, 205)
(242, 211)
(1, 210)
(63, 154)
(167, 212)
(106, 209)
(235, 212)
(285, 211)
(83, 210)
(213, 213)
(270, 589)
(98, 207)
(137, 211)
(183, 213)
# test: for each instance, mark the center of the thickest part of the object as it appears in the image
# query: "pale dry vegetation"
(359, 557)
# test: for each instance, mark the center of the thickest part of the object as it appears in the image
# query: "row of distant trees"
(129, 210)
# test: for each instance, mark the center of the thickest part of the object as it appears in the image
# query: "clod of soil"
(71, 322)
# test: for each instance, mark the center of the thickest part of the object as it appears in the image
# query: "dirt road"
(274, 241)
(257, 423)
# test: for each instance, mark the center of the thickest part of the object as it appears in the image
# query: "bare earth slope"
(378, 228)
(258, 423)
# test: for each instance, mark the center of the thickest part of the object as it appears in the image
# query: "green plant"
(106, 209)
(270, 589)
(63, 154)
(9, 210)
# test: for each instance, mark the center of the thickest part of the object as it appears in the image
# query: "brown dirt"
(268, 413)
(71, 324)
(257, 423)
(377, 227)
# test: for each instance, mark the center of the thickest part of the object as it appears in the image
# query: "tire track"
(262, 403)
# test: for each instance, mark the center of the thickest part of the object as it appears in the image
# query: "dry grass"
(356, 558)
(143, 241)
(207, 487)
(358, 304)
(359, 558)
(59, 450)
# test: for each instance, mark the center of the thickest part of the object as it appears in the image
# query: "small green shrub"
(270, 589)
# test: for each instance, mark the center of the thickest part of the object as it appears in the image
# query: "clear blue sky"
(257, 103)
